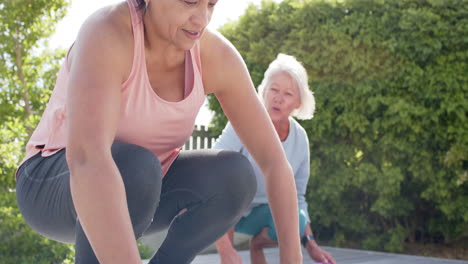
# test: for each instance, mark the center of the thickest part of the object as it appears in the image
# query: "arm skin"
(225, 75)
(93, 100)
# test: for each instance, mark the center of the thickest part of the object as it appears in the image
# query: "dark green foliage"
(389, 140)
(20, 244)
(27, 75)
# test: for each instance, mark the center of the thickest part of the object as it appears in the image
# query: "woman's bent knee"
(237, 177)
(142, 176)
(138, 166)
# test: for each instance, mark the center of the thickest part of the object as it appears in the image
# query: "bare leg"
(257, 243)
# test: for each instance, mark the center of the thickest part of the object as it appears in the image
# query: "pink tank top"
(145, 119)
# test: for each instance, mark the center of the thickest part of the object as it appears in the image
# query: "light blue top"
(296, 147)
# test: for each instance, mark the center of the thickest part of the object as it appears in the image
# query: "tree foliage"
(389, 141)
(27, 75)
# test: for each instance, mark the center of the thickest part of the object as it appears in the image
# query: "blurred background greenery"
(389, 140)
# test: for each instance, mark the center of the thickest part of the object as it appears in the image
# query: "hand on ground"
(319, 255)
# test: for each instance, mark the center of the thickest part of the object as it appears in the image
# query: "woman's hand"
(318, 254)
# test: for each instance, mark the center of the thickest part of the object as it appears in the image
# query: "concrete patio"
(341, 255)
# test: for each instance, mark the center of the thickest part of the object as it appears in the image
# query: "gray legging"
(214, 186)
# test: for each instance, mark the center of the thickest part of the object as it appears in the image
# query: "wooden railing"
(200, 139)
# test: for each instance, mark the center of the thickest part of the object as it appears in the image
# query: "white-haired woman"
(285, 93)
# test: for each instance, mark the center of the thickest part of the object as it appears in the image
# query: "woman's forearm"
(99, 198)
(282, 197)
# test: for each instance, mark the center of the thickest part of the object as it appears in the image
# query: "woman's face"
(282, 97)
(179, 22)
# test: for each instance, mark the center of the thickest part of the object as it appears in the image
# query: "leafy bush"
(27, 75)
(389, 147)
(19, 244)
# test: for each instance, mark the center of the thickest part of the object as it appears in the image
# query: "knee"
(139, 167)
(142, 176)
(237, 178)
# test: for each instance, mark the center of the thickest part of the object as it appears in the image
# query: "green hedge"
(19, 244)
(389, 141)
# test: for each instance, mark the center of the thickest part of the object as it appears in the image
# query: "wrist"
(290, 252)
(293, 259)
(307, 239)
(312, 244)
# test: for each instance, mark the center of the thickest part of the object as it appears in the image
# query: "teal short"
(259, 218)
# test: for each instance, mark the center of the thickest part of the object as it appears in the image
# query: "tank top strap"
(196, 56)
(137, 21)
(138, 40)
(134, 13)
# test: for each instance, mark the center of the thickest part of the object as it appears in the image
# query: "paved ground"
(341, 255)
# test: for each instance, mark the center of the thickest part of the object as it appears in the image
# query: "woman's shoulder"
(216, 52)
(107, 30)
(214, 45)
(110, 21)
(295, 124)
(298, 130)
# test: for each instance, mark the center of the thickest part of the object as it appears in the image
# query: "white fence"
(200, 139)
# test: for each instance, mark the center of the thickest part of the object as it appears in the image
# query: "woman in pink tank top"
(104, 165)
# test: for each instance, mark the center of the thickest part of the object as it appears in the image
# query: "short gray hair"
(288, 64)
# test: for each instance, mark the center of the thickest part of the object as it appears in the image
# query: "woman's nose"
(202, 16)
(278, 98)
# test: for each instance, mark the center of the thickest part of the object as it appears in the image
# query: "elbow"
(74, 156)
(80, 157)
